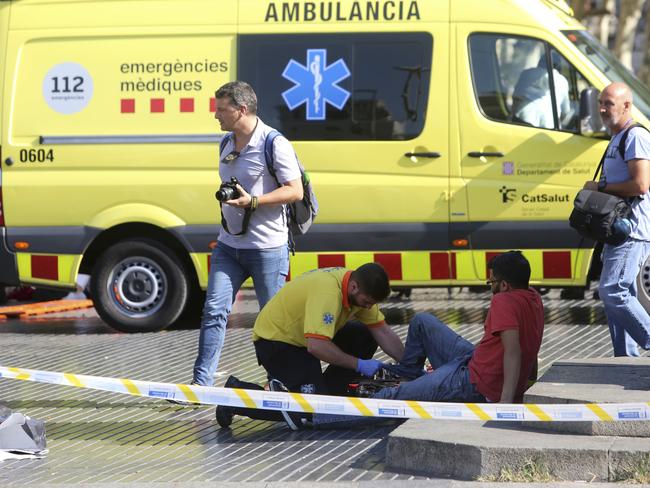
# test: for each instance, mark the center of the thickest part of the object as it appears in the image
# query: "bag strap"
(244, 225)
(247, 213)
(600, 165)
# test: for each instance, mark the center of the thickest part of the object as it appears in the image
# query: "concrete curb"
(472, 450)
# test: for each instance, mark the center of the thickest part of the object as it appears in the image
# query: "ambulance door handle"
(479, 154)
(9, 161)
(422, 154)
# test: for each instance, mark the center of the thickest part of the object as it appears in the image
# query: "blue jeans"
(448, 353)
(629, 323)
(229, 268)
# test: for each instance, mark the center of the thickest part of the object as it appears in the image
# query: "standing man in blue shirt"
(626, 177)
(260, 249)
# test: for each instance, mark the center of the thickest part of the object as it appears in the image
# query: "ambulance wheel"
(139, 286)
(643, 285)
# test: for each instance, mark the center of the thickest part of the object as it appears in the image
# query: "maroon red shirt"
(515, 309)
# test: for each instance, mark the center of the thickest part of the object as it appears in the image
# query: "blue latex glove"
(368, 367)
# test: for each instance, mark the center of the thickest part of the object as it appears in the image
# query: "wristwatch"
(601, 185)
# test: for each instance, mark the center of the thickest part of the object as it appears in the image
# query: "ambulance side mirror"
(591, 125)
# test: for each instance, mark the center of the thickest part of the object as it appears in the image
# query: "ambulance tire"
(139, 286)
(643, 285)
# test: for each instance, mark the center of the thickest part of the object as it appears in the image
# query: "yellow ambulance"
(437, 133)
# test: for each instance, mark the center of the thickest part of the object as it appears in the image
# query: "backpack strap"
(621, 143)
(621, 147)
(269, 154)
(224, 141)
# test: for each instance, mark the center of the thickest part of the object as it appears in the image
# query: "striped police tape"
(297, 402)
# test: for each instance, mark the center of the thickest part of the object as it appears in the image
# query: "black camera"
(228, 190)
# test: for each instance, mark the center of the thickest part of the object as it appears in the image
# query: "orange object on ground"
(40, 308)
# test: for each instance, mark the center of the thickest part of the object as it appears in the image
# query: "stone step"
(489, 450)
(598, 380)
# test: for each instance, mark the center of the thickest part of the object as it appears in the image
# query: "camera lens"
(224, 194)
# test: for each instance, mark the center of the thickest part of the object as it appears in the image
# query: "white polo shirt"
(267, 227)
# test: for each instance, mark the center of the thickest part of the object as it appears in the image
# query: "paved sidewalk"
(96, 437)
(363, 484)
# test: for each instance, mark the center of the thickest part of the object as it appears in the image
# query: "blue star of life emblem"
(328, 318)
(316, 84)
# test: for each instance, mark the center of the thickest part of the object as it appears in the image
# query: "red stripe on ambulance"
(442, 265)
(45, 267)
(331, 260)
(557, 264)
(392, 263)
(157, 105)
(488, 257)
(187, 105)
(127, 105)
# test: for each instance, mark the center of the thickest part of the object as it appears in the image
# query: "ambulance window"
(567, 94)
(518, 80)
(342, 86)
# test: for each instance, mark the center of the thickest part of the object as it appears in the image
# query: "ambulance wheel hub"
(138, 286)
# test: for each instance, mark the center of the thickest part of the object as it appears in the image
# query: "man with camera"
(253, 241)
(626, 174)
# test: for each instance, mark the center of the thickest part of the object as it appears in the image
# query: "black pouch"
(601, 217)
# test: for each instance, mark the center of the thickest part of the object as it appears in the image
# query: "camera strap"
(244, 226)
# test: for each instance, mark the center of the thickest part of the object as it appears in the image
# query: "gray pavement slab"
(594, 380)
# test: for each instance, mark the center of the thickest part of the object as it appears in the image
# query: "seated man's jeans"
(229, 268)
(448, 353)
(629, 323)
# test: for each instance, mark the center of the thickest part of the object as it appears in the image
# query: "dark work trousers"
(301, 372)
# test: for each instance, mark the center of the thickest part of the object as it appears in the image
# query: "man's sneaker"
(232, 382)
(224, 416)
(294, 420)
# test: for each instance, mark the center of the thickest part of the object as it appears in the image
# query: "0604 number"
(36, 155)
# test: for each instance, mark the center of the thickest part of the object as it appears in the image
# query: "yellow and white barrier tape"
(298, 402)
